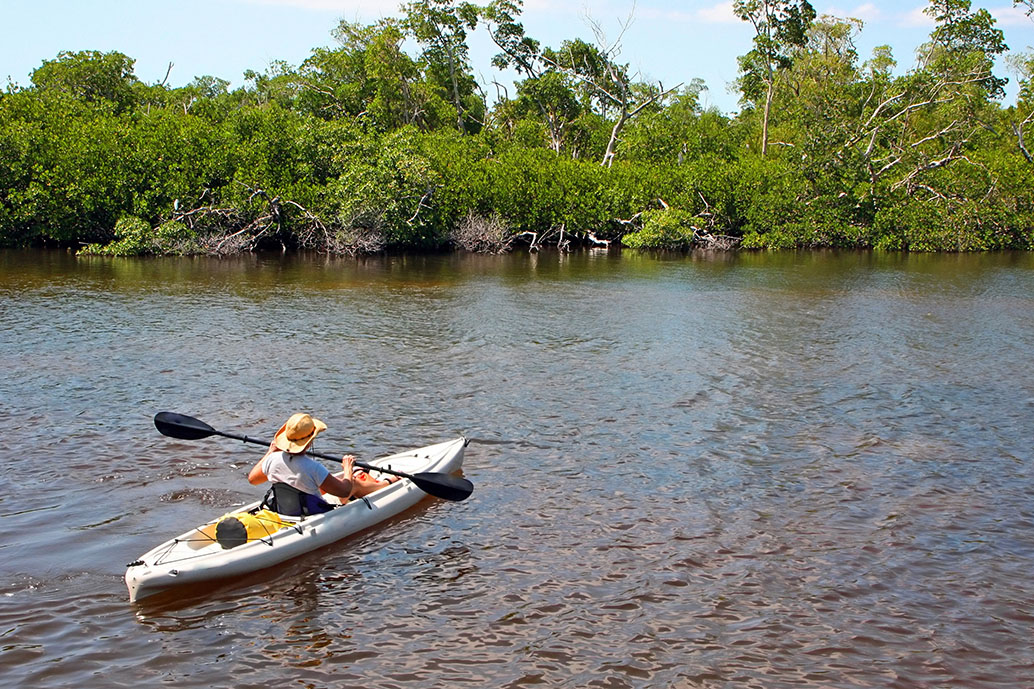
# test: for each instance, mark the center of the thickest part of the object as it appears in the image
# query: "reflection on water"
(771, 470)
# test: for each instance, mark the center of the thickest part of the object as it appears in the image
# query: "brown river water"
(759, 470)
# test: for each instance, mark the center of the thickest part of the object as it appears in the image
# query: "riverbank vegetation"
(374, 144)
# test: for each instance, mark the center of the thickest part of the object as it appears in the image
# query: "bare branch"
(421, 204)
(624, 117)
(613, 50)
(936, 135)
(933, 191)
(168, 71)
(1018, 131)
(951, 156)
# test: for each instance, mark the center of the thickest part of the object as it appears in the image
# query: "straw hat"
(298, 433)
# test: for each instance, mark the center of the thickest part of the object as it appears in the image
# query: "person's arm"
(257, 475)
(340, 487)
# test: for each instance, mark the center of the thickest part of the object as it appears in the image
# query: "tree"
(679, 132)
(964, 44)
(89, 75)
(518, 50)
(371, 79)
(924, 120)
(368, 143)
(606, 84)
(925, 138)
(393, 93)
(545, 95)
(822, 92)
(551, 97)
(591, 71)
(278, 84)
(441, 26)
(205, 95)
(1023, 64)
(780, 27)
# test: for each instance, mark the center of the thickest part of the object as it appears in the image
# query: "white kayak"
(197, 555)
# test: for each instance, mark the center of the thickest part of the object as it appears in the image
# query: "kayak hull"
(195, 556)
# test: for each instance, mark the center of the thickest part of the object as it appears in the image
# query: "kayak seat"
(288, 500)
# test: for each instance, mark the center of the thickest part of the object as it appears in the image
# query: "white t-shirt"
(300, 471)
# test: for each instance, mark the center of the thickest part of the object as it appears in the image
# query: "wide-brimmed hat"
(298, 433)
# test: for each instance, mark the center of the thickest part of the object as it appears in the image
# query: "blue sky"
(668, 41)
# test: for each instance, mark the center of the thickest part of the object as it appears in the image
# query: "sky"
(665, 40)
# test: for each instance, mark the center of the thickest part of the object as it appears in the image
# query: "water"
(762, 470)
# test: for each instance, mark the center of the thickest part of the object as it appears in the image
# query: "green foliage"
(780, 26)
(134, 236)
(965, 43)
(518, 50)
(680, 133)
(384, 141)
(440, 27)
(966, 226)
(594, 78)
(667, 228)
(384, 186)
(89, 75)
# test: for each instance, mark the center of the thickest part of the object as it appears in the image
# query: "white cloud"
(916, 18)
(867, 12)
(718, 14)
(651, 14)
(722, 13)
(1011, 16)
(547, 6)
(371, 8)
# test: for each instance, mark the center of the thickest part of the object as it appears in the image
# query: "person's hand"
(347, 463)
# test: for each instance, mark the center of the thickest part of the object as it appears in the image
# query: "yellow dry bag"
(237, 529)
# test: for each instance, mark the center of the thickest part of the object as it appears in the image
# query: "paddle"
(438, 484)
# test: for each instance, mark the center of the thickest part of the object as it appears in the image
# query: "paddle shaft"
(361, 465)
(437, 484)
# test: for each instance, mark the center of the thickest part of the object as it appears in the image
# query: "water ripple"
(763, 471)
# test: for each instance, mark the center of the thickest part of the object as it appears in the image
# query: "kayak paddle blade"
(182, 426)
(444, 486)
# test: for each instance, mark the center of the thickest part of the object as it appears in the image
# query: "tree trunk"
(1017, 130)
(608, 157)
(764, 121)
(615, 133)
(457, 101)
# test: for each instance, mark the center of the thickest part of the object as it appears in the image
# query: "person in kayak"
(286, 462)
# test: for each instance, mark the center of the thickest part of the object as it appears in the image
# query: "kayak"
(202, 554)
